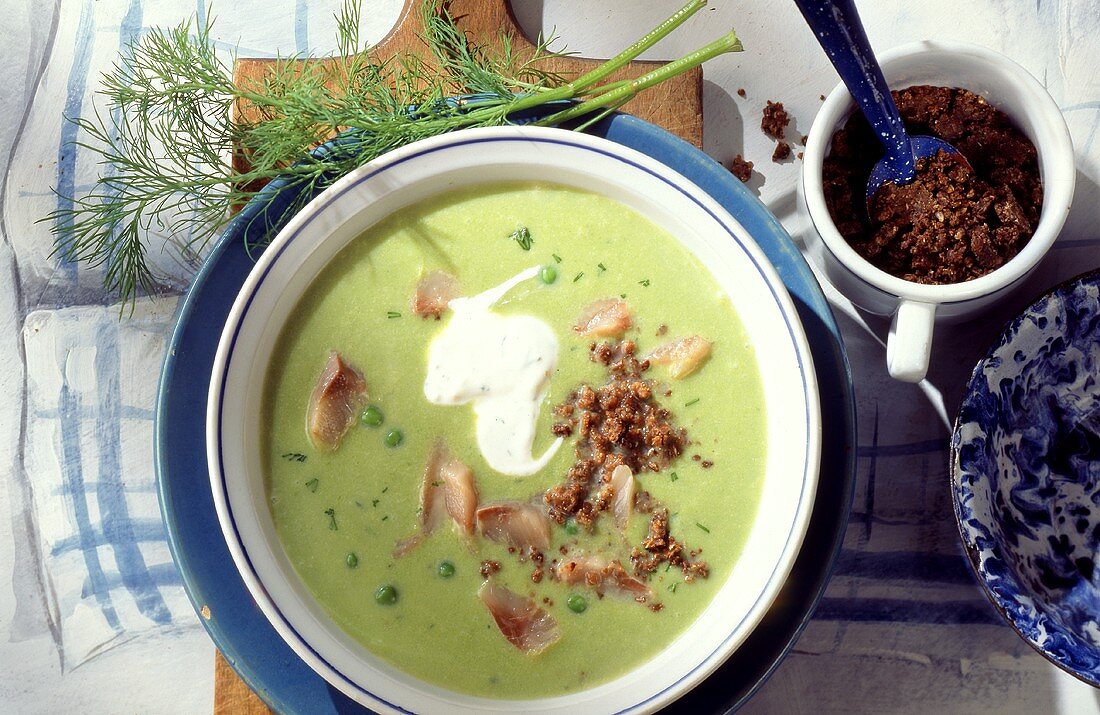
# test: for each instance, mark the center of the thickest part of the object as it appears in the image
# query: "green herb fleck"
(294, 457)
(387, 516)
(374, 503)
(352, 560)
(578, 276)
(522, 236)
(672, 587)
(601, 268)
(391, 314)
(644, 282)
(385, 489)
(577, 603)
(689, 403)
(312, 484)
(394, 438)
(385, 595)
(548, 274)
(446, 569)
(557, 258)
(331, 514)
(673, 476)
(571, 527)
(702, 527)
(622, 295)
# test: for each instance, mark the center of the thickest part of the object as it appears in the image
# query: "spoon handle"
(836, 25)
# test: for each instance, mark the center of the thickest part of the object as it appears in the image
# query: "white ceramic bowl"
(916, 307)
(413, 174)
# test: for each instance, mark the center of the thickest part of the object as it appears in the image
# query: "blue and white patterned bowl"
(1025, 464)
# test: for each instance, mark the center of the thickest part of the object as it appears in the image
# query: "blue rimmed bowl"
(465, 159)
(1025, 464)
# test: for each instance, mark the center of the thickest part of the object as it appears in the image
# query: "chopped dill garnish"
(622, 295)
(557, 258)
(578, 276)
(387, 516)
(385, 489)
(522, 236)
(331, 514)
(672, 587)
(673, 476)
(294, 457)
(312, 484)
(702, 527)
(601, 268)
(644, 282)
(180, 143)
(689, 403)
(374, 502)
(391, 314)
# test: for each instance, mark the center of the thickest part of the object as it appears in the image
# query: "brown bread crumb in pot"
(952, 223)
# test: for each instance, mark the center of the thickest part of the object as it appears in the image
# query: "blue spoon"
(836, 25)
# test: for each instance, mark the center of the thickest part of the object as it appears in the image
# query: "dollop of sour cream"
(502, 364)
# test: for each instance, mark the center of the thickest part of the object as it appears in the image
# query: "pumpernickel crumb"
(782, 152)
(741, 169)
(953, 223)
(946, 226)
(740, 91)
(618, 423)
(488, 568)
(660, 546)
(775, 120)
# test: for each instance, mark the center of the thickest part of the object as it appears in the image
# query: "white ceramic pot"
(915, 307)
(463, 159)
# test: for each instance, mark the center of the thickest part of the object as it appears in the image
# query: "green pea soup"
(339, 514)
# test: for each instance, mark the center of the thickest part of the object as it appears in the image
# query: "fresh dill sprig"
(181, 144)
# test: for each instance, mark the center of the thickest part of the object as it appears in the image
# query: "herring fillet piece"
(335, 402)
(433, 294)
(447, 487)
(608, 318)
(520, 620)
(683, 356)
(515, 524)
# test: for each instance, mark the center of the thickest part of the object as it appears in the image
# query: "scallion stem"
(623, 93)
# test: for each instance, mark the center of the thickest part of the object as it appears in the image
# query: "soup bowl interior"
(461, 160)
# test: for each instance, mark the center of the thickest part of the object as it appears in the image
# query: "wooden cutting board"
(676, 105)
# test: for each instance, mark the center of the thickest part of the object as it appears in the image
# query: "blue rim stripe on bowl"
(810, 398)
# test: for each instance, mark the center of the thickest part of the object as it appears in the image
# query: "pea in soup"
(507, 424)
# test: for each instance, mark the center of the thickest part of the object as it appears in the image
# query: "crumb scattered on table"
(782, 151)
(775, 119)
(741, 169)
(740, 91)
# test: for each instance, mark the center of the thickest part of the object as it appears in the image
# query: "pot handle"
(910, 341)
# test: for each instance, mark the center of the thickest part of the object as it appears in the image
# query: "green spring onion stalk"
(171, 126)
